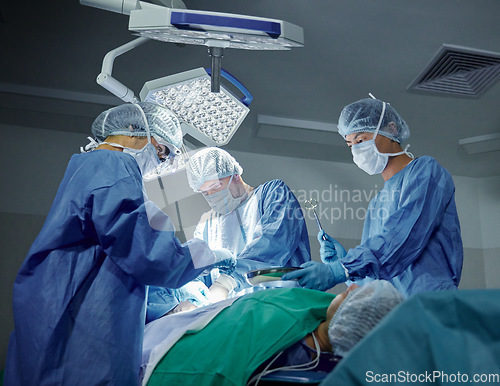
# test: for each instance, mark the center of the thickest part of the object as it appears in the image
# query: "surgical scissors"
(312, 204)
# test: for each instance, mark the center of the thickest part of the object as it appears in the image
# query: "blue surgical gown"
(79, 297)
(267, 230)
(411, 236)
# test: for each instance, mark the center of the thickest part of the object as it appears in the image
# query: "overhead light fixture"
(207, 28)
(211, 118)
(296, 123)
(215, 30)
(296, 130)
(215, 115)
(481, 143)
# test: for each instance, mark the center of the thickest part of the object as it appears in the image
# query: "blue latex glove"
(226, 261)
(318, 276)
(330, 249)
(196, 292)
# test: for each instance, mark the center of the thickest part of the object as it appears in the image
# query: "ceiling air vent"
(459, 71)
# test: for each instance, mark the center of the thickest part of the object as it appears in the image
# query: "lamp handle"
(248, 98)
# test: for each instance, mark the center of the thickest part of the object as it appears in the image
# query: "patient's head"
(357, 311)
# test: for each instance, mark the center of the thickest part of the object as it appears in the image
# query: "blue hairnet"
(363, 116)
(210, 164)
(127, 119)
(360, 311)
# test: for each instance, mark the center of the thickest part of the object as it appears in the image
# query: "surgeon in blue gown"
(261, 227)
(411, 234)
(80, 295)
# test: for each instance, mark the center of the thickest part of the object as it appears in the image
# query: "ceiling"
(52, 51)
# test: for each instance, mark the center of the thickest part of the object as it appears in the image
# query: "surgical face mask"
(367, 156)
(146, 158)
(223, 201)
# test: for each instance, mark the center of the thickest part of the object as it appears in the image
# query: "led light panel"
(211, 118)
(214, 28)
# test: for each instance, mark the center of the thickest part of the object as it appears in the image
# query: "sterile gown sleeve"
(412, 221)
(282, 233)
(163, 300)
(150, 256)
(160, 301)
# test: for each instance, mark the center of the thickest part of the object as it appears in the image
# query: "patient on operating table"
(264, 331)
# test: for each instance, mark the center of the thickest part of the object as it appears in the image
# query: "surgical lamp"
(211, 118)
(209, 113)
(215, 30)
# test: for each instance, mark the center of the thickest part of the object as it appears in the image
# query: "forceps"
(312, 204)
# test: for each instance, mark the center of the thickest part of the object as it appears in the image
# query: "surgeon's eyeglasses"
(213, 186)
(163, 152)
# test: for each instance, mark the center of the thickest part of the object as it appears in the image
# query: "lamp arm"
(119, 6)
(105, 79)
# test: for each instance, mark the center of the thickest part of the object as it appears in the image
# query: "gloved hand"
(219, 292)
(318, 276)
(196, 292)
(182, 307)
(221, 287)
(330, 249)
(225, 260)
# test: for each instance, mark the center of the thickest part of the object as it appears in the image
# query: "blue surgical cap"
(364, 115)
(127, 119)
(210, 164)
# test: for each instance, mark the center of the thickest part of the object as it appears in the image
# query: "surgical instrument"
(312, 204)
